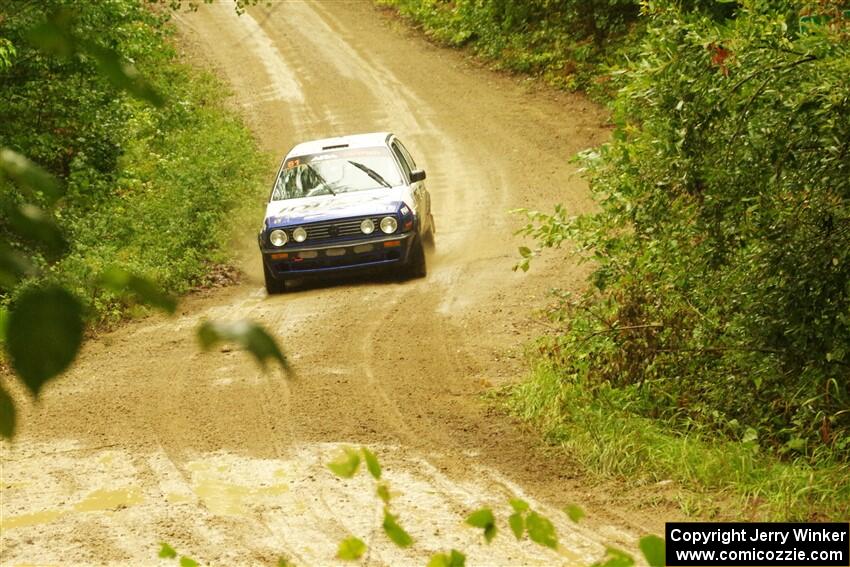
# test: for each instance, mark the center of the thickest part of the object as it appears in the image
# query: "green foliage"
(575, 513)
(719, 300)
(615, 558)
(372, 463)
(347, 464)
(453, 559)
(137, 192)
(351, 549)
(561, 40)
(166, 551)
(247, 334)
(484, 519)
(394, 531)
(653, 549)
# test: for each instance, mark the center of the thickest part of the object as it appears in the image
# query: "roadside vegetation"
(151, 189)
(712, 344)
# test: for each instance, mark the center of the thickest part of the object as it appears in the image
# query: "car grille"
(343, 229)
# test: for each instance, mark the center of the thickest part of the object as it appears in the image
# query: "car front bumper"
(292, 261)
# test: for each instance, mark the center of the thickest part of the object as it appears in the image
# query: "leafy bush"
(151, 189)
(720, 298)
(562, 40)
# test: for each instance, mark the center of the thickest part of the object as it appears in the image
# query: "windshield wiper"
(322, 179)
(371, 173)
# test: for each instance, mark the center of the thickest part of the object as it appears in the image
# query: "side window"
(406, 154)
(401, 160)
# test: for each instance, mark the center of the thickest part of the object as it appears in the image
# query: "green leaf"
(29, 175)
(123, 282)
(284, 562)
(518, 504)
(188, 562)
(453, 559)
(525, 251)
(7, 415)
(574, 512)
(123, 74)
(541, 530)
(30, 222)
(517, 523)
(395, 532)
(372, 463)
(615, 558)
(166, 551)
(383, 492)
(54, 35)
(653, 551)
(43, 334)
(484, 519)
(13, 266)
(351, 549)
(347, 464)
(247, 334)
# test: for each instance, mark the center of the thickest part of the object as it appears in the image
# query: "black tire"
(428, 238)
(416, 264)
(274, 285)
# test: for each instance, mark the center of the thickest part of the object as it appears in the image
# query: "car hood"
(383, 201)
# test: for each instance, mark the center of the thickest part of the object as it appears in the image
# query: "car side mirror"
(417, 175)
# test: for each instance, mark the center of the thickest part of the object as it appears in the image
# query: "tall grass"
(596, 426)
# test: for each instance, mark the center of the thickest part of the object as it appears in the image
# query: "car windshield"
(330, 173)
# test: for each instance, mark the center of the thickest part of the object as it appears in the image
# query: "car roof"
(369, 140)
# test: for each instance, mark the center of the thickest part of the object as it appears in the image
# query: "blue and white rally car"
(341, 204)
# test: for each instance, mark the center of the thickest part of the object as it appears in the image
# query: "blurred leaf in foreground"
(574, 512)
(372, 463)
(29, 175)
(351, 549)
(653, 550)
(121, 281)
(347, 464)
(166, 551)
(541, 530)
(7, 415)
(484, 519)
(247, 334)
(43, 334)
(395, 532)
(615, 558)
(453, 559)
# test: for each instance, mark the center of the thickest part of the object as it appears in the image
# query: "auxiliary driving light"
(367, 226)
(299, 235)
(389, 225)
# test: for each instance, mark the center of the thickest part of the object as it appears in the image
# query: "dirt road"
(147, 439)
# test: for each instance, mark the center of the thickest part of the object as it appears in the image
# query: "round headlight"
(278, 237)
(367, 226)
(388, 225)
(299, 235)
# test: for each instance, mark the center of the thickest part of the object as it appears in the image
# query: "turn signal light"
(280, 256)
(392, 243)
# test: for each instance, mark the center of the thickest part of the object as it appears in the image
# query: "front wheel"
(274, 285)
(416, 265)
